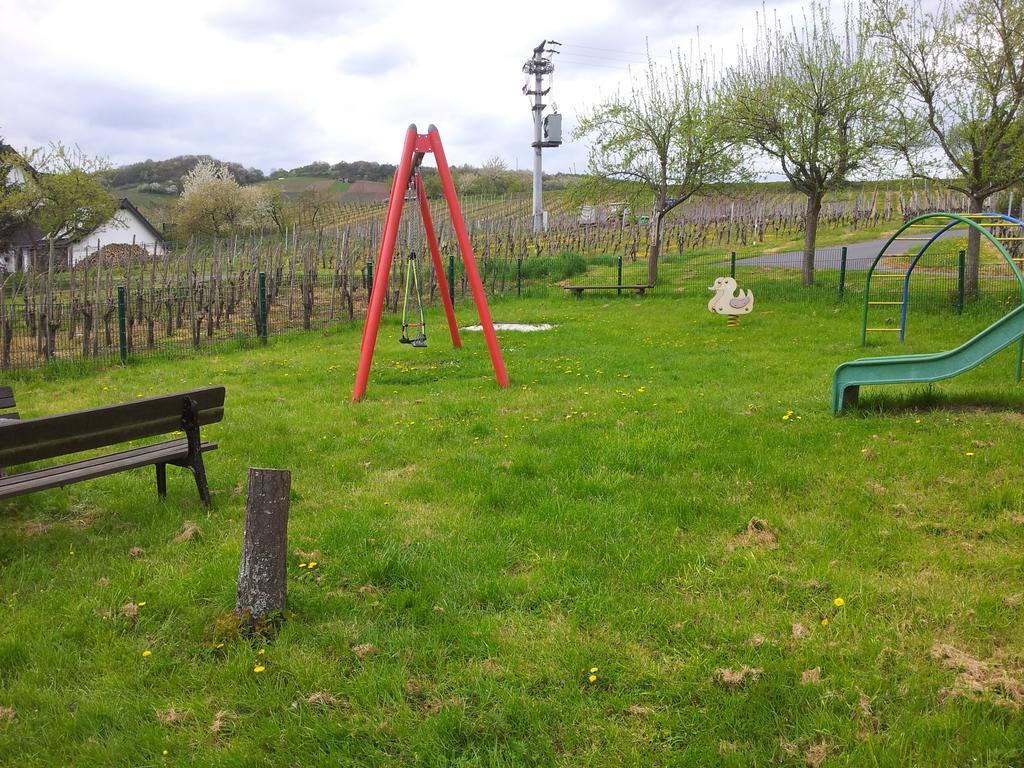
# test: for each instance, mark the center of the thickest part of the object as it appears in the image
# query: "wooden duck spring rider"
(728, 302)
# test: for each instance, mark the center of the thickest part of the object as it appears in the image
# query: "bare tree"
(666, 135)
(962, 70)
(816, 100)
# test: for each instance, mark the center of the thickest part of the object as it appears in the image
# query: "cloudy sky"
(276, 83)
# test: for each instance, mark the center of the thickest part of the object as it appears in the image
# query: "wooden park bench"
(577, 290)
(6, 403)
(50, 437)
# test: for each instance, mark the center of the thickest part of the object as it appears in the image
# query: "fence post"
(261, 324)
(451, 277)
(122, 329)
(519, 277)
(732, 265)
(369, 279)
(842, 272)
(961, 267)
(619, 283)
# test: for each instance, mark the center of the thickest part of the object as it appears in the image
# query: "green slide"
(911, 369)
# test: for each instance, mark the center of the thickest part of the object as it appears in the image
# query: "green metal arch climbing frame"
(945, 222)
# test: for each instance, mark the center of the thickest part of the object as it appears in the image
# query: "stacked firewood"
(118, 255)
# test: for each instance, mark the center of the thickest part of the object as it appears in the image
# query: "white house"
(126, 226)
(19, 244)
(16, 255)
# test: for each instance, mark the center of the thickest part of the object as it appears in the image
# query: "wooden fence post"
(262, 575)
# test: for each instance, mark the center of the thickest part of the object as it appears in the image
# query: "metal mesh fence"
(200, 308)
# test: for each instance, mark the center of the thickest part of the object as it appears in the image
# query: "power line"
(601, 58)
(591, 65)
(608, 50)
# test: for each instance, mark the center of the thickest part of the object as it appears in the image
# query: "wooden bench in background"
(6, 403)
(50, 437)
(577, 290)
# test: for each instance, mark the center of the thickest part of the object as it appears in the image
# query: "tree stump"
(262, 575)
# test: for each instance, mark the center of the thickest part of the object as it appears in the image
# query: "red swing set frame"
(416, 146)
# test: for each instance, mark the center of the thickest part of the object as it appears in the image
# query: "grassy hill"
(293, 186)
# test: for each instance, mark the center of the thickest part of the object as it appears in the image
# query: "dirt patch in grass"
(78, 518)
(979, 680)
(757, 534)
(35, 528)
(326, 699)
(868, 723)
(639, 711)
(816, 755)
(7, 714)
(222, 722)
(734, 678)
(417, 693)
(189, 531)
(800, 632)
(172, 716)
(364, 649)
(811, 676)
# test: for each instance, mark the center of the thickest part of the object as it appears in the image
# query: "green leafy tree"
(73, 201)
(962, 73)
(665, 136)
(816, 100)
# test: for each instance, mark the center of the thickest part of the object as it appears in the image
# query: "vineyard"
(125, 301)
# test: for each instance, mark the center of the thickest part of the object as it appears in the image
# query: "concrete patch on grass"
(521, 327)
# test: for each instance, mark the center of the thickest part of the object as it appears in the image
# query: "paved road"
(858, 256)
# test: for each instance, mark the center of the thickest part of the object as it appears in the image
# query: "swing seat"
(419, 341)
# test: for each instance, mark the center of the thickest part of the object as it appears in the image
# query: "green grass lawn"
(478, 552)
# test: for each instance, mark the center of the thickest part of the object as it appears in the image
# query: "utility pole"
(547, 132)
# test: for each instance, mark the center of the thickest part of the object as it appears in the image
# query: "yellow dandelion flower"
(312, 565)
(165, 752)
(824, 622)
(968, 453)
(593, 670)
(258, 668)
(302, 565)
(220, 645)
(592, 678)
(786, 417)
(141, 603)
(839, 602)
(261, 651)
(147, 653)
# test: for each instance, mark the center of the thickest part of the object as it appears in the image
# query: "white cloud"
(273, 83)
